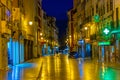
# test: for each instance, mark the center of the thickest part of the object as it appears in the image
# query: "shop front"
(28, 49)
(15, 50)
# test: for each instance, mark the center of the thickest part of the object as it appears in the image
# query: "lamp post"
(87, 31)
(41, 34)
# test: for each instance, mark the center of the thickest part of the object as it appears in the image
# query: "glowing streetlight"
(70, 36)
(41, 34)
(42, 38)
(86, 28)
(30, 22)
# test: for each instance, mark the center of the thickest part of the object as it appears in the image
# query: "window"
(107, 7)
(96, 8)
(104, 9)
(117, 16)
(111, 24)
(39, 23)
(39, 12)
(111, 4)
(3, 13)
(92, 11)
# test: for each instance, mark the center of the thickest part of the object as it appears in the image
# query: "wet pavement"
(62, 68)
(25, 71)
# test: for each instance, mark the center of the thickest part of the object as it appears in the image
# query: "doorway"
(9, 52)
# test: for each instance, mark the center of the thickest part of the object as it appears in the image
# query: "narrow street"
(59, 39)
(62, 68)
(59, 68)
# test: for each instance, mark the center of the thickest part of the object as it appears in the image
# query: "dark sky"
(58, 9)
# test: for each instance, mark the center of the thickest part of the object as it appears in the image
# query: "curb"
(39, 73)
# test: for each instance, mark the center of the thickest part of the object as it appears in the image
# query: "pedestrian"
(91, 54)
(57, 53)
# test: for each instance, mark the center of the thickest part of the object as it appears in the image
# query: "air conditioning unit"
(4, 28)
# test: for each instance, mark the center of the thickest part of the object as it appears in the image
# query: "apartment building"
(91, 20)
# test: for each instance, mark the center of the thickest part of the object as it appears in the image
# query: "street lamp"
(86, 28)
(42, 38)
(87, 32)
(47, 41)
(30, 22)
(41, 34)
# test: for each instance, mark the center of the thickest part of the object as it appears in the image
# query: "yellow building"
(5, 31)
(90, 18)
(50, 35)
(22, 31)
(30, 29)
(20, 25)
(116, 31)
(70, 31)
(39, 19)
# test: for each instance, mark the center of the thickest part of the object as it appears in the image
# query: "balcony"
(4, 28)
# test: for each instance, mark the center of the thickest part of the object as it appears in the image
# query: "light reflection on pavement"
(63, 68)
(24, 71)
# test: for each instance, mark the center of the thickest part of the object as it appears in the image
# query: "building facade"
(50, 35)
(22, 31)
(5, 31)
(96, 26)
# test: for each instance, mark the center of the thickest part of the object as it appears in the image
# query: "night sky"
(58, 9)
